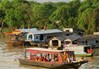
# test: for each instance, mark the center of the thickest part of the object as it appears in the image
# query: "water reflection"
(9, 59)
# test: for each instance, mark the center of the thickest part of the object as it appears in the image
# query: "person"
(64, 45)
(48, 57)
(37, 57)
(81, 59)
(33, 57)
(45, 59)
(65, 57)
(40, 58)
(70, 58)
(56, 57)
(52, 58)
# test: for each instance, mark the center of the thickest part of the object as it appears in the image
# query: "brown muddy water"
(9, 59)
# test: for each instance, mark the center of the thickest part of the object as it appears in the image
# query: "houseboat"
(70, 42)
(41, 37)
(81, 50)
(52, 59)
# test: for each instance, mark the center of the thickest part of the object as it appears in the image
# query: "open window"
(67, 42)
(30, 37)
(74, 42)
(96, 41)
(55, 42)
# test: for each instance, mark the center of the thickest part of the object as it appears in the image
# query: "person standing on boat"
(65, 57)
(56, 57)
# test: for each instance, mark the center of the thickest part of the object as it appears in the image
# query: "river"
(9, 59)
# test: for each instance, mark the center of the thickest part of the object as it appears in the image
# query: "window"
(82, 41)
(28, 55)
(86, 42)
(74, 42)
(30, 36)
(67, 34)
(41, 37)
(49, 37)
(67, 30)
(97, 41)
(55, 42)
(67, 42)
(36, 37)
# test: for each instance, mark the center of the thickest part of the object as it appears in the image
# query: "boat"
(14, 38)
(52, 59)
(81, 50)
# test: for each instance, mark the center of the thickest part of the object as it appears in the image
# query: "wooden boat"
(14, 38)
(30, 53)
(14, 43)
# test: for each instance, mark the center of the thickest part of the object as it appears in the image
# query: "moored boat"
(81, 51)
(53, 59)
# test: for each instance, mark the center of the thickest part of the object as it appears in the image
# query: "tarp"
(14, 33)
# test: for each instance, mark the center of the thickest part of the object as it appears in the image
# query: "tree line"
(76, 14)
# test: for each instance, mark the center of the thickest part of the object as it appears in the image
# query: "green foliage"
(88, 20)
(26, 14)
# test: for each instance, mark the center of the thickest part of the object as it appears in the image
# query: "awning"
(13, 33)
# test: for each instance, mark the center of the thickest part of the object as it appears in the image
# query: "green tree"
(41, 12)
(88, 20)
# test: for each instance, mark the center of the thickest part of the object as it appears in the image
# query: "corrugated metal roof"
(47, 31)
(28, 30)
(71, 37)
(90, 37)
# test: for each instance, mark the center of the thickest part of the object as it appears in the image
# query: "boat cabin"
(42, 35)
(49, 56)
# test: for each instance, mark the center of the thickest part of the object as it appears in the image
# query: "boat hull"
(74, 65)
(14, 43)
(83, 55)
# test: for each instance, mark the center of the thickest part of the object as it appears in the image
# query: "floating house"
(70, 41)
(42, 36)
(67, 39)
(90, 40)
